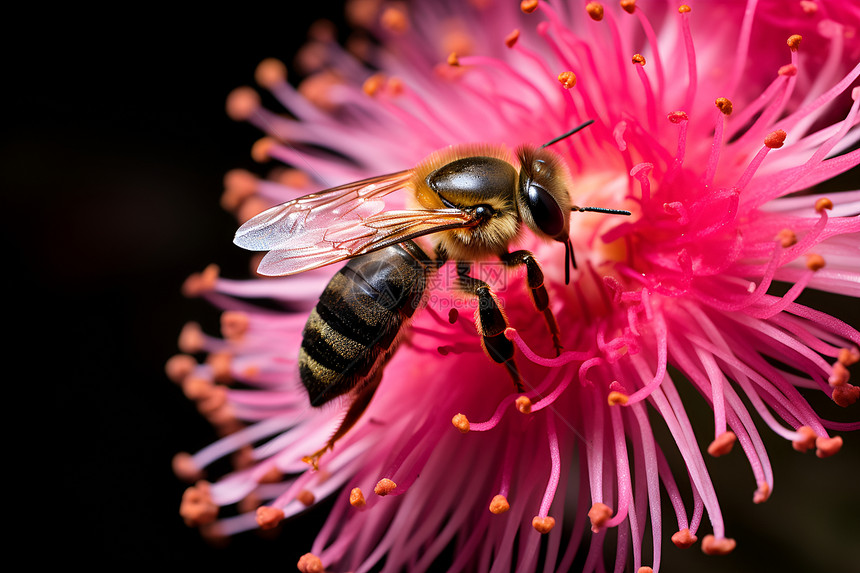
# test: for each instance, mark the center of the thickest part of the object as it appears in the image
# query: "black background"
(114, 144)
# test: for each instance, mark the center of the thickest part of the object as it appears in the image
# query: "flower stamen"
(461, 422)
(595, 11)
(762, 494)
(499, 504)
(684, 539)
(528, 6)
(599, 515)
(356, 498)
(269, 517)
(310, 563)
(543, 524)
(384, 487)
(692, 74)
(523, 404)
(714, 546)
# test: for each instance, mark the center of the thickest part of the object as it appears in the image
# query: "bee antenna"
(568, 134)
(600, 210)
(569, 260)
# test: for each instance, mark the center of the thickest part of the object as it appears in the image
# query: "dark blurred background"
(114, 144)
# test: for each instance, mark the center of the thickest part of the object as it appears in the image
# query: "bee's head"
(543, 197)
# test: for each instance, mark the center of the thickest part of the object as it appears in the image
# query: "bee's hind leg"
(491, 323)
(356, 409)
(540, 298)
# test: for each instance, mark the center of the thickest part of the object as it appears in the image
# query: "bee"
(471, 200)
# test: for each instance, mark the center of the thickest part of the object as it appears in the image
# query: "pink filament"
(644, 392)
(555, 472)
(714, 157)
(622, 469)
(743, 46)
(655, 52)
(561, 360)
(692, 75)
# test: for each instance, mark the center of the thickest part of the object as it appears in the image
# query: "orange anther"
(306, 498)
(567, 79)
(713, 546)
(543, 524)
(839, 376)
(242, 103)
(677, 116)
(270, 72)
(822, 204)
(775, 139)
(599, 514)
(846, 395)
(849, 356)
(786, 238)
(762, 494)
(524, 404)
(499, 504)
(269, 517)
(528, 6)
(815, 262)
(197, 507)
(179, 367)
(684, 539)
(373, 84)
(461, 422)
(261, 149)
(806, 441)
(384, 487)
(395, 19)
(356, 498)
(185, 468)
(826, 447)
(310, 563)
(724, 105)
(722, 444)
(794, 41)
(595, 10)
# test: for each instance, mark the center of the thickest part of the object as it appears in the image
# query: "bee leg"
(492, 324)
(356, 409)
(540, 298)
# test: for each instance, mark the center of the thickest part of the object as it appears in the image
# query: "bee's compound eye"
(545, 211)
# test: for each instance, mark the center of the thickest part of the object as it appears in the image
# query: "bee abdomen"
(354, 327)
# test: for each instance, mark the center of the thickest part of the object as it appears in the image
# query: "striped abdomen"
(354, 327)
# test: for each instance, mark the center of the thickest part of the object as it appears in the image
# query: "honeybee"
(471, 200)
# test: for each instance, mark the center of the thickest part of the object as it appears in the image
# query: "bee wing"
(298, 222)
(338, 224)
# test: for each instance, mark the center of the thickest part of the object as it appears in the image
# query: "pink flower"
(718, 162)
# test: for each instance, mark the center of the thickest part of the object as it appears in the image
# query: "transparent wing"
(338, 224)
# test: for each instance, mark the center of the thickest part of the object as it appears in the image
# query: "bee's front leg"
(540, 298)
(491, 323)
